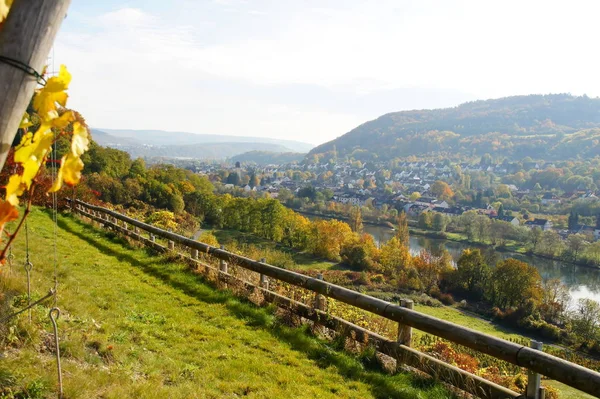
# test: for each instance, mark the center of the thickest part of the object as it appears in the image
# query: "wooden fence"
(534, 360)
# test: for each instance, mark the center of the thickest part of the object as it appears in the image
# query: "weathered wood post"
(320, 300)
(194, 253)
(264, 280)
(152, 238)
(542, 393)
(404, 331)
(534, 380)
(26, 37)
(171, 245)
(223, 266)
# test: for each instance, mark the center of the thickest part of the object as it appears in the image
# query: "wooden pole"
(264, 280)
(27, 36)
(534, 380)
(404, 331)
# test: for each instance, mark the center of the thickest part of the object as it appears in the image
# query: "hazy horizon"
(313, 71)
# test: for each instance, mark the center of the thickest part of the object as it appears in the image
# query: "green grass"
(135, 325)
(302, 259)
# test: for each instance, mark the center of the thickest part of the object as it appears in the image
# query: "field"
(137, 325)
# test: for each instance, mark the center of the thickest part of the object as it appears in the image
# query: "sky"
(313, 70)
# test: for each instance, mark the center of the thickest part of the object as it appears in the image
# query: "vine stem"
(14, 235)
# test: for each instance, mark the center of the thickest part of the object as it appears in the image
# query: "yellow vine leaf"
(52, 93)
(71, 164)
(34, 148)
(4, 7)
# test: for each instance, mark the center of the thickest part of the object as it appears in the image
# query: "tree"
(551, 244)
(534, 237)
(394, 257)
(356, 220)
(573, 220)
(402, 232)
(358, 252)
(576, 243)
(514, 283)
(425, 220)
(472, 273)
(586, 319)
(414, 196)
(555, 299)
(439, 222)
(501, 211)
(441, 190)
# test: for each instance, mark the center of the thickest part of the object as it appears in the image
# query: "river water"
(583, 282)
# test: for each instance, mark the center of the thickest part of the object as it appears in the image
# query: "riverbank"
(512, 247)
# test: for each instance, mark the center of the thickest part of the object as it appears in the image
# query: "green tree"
(425, 220)
(586, 319)
(472, 273)
(439, 222)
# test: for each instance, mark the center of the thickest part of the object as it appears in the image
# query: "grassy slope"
(135, 325)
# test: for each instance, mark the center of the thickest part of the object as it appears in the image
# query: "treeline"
(577, 248)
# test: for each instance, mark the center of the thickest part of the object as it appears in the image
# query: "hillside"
(161, 144)
(134, 325)
(268, 157)
(557, 126)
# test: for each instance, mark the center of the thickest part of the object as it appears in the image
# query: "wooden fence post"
(264, 280)
(320, 300)
(542, 393)
(405, 332)
(222, 263)
(534, 380)
(27, 36)
(152, 237)
(223, 267)
(194, 253)
(171, 245)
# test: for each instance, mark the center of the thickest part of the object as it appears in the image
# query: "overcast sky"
(313, 70)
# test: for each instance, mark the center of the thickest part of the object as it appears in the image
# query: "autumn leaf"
(52, 93)
(4, 7)
(71, 164)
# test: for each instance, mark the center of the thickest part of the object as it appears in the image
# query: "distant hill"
(268, 157)
(207, 151)
(162, 138)
(558, 126)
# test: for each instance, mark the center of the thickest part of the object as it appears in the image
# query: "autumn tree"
(359, 251)
(402, 232)
(514, 283)
(555, 300)
(441, 190)
(394, 256)
(356, 220)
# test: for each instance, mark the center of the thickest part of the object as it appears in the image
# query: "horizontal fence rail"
(534, 360)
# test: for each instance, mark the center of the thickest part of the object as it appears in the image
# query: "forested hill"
(557, 126)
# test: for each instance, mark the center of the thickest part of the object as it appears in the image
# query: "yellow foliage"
(34, 148)
(4, 7)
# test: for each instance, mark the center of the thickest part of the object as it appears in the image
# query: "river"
(583, 282)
